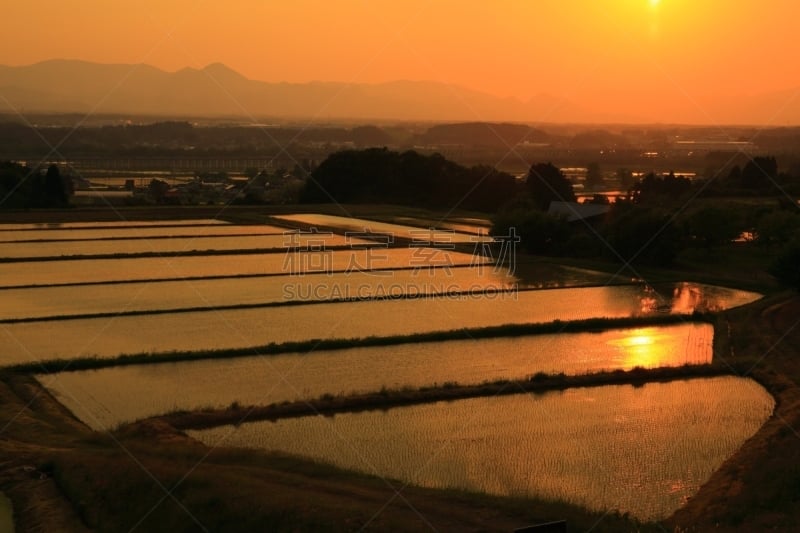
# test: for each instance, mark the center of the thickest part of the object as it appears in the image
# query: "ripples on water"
(108, 397)
(642, 450)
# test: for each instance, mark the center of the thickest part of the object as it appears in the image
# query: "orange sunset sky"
(631, 56)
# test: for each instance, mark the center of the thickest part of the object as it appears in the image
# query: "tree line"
(24, 188)
(651, 224)
(379, 175)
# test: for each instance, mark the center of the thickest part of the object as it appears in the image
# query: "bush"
(787, 266)
(540, 232)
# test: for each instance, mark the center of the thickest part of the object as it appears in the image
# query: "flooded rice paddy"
(108, 397)
(168, 245)
(74, 234)
(641, 450)
(122, 224)
(146, 268)
(470, 226)
(214, 329)
(150, 296)
(411, 233)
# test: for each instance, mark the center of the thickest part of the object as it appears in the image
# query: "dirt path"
(758, 489)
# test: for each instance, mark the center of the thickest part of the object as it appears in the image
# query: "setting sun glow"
(597, 55)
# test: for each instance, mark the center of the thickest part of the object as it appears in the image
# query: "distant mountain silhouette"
(79, 86)
(65, 86)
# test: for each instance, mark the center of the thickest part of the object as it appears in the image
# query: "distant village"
(253, 186)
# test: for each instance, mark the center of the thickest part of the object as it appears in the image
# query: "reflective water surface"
(642, 450)
(208, 330)
(110, 224)
(105, 398)
(141, 232)
(143, 268)
(149, 296)
(177, 244)
(445, 235)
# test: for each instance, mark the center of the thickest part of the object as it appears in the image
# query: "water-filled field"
(642, 450)
(108, 397)
(171, 245)
(412, 233)
(149, 296)
(138, 233)
(470, 226)
(208, 330)
(146, 268)
(111, 224)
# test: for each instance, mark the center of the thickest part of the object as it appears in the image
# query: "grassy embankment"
(329, 404)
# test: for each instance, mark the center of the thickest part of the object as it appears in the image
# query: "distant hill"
(64, 86)
(70, 86)
(482, 134)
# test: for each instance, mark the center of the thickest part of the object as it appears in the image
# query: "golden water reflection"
(105, 398)
(688, 297)
(655, 347)
(641, 450)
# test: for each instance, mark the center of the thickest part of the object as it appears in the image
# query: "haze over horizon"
(624, 60)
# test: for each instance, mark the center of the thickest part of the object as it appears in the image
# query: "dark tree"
(540, 233)
(760, 173)
(14, 189)
(735, 176)
(55, 194)
(787, 266)
(712, 226)
(158, 190)
(642, 235)
(777, 227)
(625, 178)
(383, 176)
(594, 177)
(547, 183)
(654, 188)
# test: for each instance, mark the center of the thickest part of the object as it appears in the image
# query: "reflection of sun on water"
(641, 348)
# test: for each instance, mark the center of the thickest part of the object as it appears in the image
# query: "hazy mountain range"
(66, 86)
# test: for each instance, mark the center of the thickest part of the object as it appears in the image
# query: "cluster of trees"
(646, 234)
(750, 176)
(481, 134)
(653, 224)
(546, 183)
(760, 174)
(23, 188)
(653, 188)
(384, 176)
(178, 138)
(786, 266)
